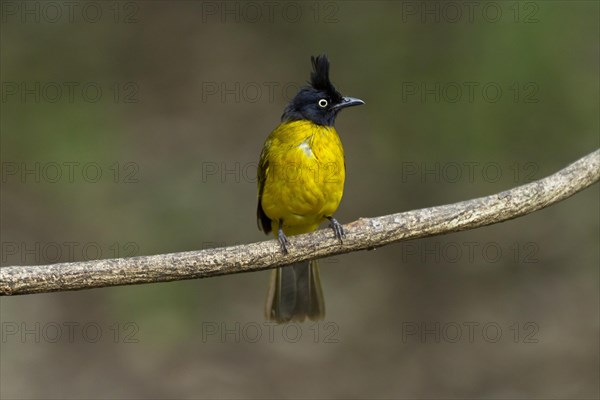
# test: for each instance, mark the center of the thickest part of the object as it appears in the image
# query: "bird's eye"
(323, 103)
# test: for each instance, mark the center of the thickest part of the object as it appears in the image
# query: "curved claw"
(338, 229)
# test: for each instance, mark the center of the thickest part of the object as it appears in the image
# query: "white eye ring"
(323, 103)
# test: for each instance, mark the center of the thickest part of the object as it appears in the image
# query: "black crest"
(319, 78)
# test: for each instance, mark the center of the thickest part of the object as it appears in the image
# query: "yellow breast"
(304, 175)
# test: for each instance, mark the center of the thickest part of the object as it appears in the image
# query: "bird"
(300, 177)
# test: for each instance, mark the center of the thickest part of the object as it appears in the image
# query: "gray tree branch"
(365, 233)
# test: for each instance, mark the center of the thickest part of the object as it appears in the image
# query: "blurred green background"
(171, 103)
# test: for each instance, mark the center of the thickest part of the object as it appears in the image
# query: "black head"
(320, 102)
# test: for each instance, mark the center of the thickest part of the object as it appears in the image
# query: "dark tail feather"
(295, 294)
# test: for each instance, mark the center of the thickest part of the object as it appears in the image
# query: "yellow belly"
(304, 176)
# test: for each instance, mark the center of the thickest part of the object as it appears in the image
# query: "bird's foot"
(283, 240)
(338, 230)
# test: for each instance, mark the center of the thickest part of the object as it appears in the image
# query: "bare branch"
(365, 233)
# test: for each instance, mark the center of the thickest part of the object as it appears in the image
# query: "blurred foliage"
(158, 131)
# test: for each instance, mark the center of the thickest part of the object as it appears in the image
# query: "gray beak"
(348, 102)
